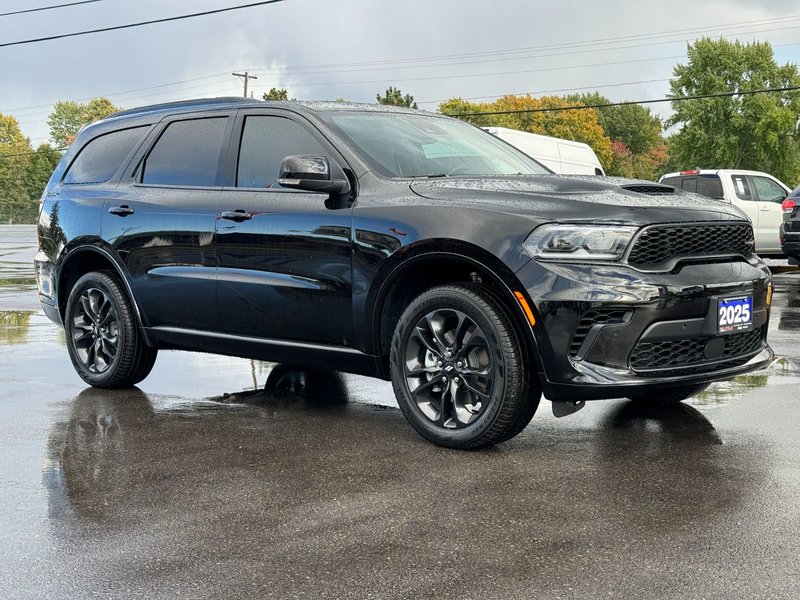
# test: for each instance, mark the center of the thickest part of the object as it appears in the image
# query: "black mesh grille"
(650, 190)
(599, 316)
(657, 245)
(691, 353)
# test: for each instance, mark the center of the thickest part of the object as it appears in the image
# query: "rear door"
(745, 199)
(162, 221)
(770, 195)
(284, 255)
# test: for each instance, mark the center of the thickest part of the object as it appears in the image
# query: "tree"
(41, 165)
(757, 131)
(15, 148)
(395, 97)
(276, 94)
(68, 117)
(545, 116)
(632, 124)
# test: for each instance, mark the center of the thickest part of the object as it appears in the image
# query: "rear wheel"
(669, 395)
(103, 339)
(458, 370)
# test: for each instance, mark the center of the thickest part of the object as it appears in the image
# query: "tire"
(480, 394)
(103, 339)
(669, 395)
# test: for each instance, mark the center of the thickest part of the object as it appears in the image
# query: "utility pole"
(245, 77)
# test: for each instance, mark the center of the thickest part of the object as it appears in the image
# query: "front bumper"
(612, 331)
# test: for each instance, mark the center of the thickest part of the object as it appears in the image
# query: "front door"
(284, 257)
(770, 196)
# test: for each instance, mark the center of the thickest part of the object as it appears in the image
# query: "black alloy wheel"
(450, 369)
(458, 369)
(105, 344)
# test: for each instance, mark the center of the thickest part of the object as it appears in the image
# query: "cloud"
(280, 42)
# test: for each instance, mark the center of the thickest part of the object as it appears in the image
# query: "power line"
(572, 44)
(27, 153)
(575, 107)
(41, 8)
(139, 24)
(572, 89)
(626, 103)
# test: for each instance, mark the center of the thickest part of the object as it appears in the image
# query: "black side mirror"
(311, 173)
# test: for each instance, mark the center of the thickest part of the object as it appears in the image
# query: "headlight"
(585, 243)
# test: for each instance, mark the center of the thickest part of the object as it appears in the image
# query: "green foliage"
(758, 131)
(23, 173)
(68, 117)
(15, 204)
(395, 97)
(276, 94)
(577, 125)
(639, 149)
(41, 165)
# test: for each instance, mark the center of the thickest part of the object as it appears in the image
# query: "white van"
(562, 156)
(758, 194)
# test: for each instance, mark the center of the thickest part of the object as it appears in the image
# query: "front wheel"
(458, 369)
(103, 339)
(669, 395)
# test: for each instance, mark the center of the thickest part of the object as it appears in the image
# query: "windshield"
(410, 145)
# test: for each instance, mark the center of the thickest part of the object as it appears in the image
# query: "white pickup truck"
(758, 194)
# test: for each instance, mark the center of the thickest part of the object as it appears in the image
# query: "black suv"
(789, 232)
(397, 244)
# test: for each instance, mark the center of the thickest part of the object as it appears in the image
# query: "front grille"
(648, 356)
(597, 316)
(650, 190)
(658, 245)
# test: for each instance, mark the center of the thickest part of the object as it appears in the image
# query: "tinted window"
(101, 157)
(689, 183)
(768, 190)
(187, 153)
(795, 192)
(709, 185)
(266, 141)
(673, 181)
(742, 187)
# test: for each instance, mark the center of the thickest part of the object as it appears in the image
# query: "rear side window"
(706, 185)
(101, 157)
(187, 153)
(266, 141)
(742, 187)
(710, 185)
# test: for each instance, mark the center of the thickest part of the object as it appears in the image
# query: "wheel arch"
(438, 264)
(85, 259)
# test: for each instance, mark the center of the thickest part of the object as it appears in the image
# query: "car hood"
(577, 198)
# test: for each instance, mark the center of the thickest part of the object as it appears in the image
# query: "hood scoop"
(650, 190)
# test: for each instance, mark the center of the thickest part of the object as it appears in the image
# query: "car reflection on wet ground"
(222, 477)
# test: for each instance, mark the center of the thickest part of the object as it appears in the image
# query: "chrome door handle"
(237, 215)
(121, 211)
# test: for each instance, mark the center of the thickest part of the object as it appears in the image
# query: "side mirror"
(310, 173)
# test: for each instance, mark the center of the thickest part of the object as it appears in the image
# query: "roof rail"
(199, 102)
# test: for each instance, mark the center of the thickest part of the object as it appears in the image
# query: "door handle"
(237, 215)
(121, 211)
(764, 209)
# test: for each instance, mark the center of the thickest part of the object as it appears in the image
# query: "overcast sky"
(324, 49)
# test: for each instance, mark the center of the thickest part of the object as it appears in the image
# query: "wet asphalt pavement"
(198, 486)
